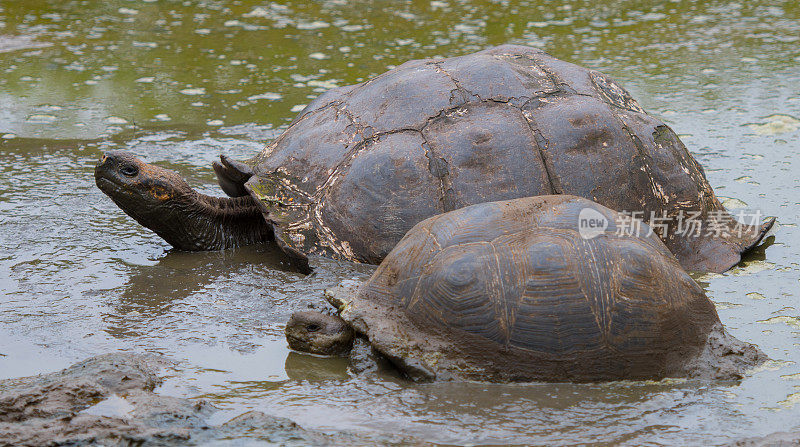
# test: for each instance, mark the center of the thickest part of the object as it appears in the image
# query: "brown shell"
(511, 291)
(363, 164)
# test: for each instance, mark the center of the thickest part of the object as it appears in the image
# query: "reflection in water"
(758, 253)
(181, 82)
(316, 369)
(178, 274)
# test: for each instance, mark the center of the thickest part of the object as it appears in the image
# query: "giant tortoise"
(362, 164)
(518, 290)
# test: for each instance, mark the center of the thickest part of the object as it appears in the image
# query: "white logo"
(591, 223)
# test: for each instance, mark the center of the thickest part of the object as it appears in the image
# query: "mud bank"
(109, 400)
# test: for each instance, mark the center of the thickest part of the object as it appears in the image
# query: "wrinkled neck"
(200, 222)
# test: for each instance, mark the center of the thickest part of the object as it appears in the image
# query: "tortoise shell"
(512, 291)
(363, 164)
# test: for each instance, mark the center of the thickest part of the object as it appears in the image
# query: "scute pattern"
(403, 98)
(535, 292)
(397, 188)
(516, 79)
(454, 288)
(503, 123)
(592, 156)
(333, 135)
(489, 154)
(554, 316)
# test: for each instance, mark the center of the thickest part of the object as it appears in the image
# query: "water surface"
(181, 82)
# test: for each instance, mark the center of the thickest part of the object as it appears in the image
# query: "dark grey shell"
(362, 164)
(511, 291)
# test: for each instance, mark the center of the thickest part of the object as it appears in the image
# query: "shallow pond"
(181, 82)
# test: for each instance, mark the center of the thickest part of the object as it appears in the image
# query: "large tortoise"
(516, 291)
(362, 164)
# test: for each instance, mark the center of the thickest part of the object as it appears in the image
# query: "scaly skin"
(318, 333)
(162, 201)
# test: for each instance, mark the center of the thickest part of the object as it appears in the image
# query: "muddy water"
(181, 82)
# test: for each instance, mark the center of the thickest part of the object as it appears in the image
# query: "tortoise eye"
(312, 327)
(129, 170)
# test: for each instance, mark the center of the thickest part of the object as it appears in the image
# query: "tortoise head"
(142, 190)
(162, 201)
(318, 333)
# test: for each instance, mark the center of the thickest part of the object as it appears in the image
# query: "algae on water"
(776, 124)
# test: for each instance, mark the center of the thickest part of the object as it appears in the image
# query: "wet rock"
(66, 392)
(108, 400)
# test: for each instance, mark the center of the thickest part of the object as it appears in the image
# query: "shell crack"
(542, 146)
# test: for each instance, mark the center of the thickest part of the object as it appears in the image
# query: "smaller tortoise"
(518, 291)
